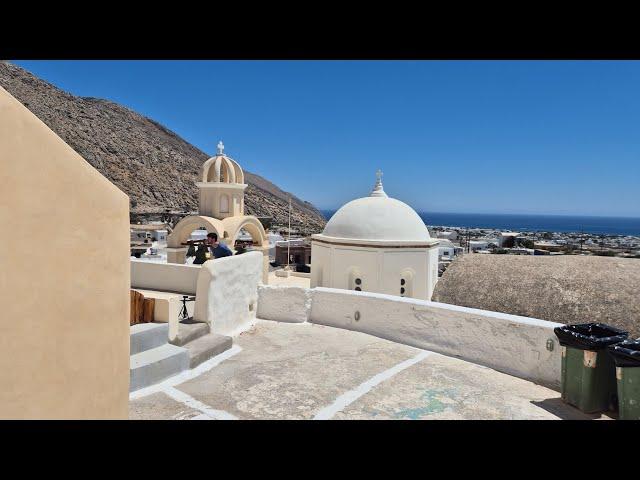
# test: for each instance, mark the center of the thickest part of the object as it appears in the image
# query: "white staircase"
(153, 359)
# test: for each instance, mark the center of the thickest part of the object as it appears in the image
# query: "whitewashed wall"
(379, 269)
(284, 304)
(227, 292)
(166, 277)
(507, 343)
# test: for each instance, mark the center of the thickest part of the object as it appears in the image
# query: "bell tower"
(221, 186)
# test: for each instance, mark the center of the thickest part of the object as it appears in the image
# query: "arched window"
(405, 286)
(224, 204)
(356, 280)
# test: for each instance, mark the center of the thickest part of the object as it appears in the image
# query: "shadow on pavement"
(566, 412)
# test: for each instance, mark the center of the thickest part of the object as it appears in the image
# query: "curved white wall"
(507, 343)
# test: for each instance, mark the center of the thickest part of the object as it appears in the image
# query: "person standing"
(217, 249)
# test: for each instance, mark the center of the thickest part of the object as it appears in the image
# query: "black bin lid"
(626, 354)
(589, 336)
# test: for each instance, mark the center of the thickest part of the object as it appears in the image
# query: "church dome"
(221, 169)
(379, 218)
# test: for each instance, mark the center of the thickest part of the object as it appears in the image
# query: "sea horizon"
(593, 224)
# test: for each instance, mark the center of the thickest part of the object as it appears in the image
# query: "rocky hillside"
(153, 165)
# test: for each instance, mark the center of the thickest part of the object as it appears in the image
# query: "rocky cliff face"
(150, 163)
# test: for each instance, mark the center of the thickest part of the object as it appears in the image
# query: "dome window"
(406, 283)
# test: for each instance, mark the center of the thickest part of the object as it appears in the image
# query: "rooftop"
(304, 371)
(559, 288)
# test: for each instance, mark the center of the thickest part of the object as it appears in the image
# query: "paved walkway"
(305, 371)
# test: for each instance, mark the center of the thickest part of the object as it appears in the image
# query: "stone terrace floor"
(306, 371)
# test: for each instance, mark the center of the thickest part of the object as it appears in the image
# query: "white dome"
(377, 218)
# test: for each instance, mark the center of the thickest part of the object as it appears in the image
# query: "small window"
(402, 282)
(358, 289)
(224, 204)
(401, 290)
(358, 281)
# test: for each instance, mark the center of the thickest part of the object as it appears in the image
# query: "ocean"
(531, 223)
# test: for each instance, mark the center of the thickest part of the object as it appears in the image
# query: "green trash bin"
(588, 376)
(626, 356)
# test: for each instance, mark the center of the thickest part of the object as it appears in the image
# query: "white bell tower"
(221, 186)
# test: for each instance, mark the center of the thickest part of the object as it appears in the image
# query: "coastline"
(587, 225)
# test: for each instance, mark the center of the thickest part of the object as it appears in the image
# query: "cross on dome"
(220, 148)
(378, 191)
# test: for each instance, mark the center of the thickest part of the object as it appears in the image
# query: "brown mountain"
(152, 164)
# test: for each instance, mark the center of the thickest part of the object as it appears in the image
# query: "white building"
(446, 249)
(507, 239)
(199, 234)
(448, 235)
(273, 238)
(376, 244)
(160, 235)
(478, 245)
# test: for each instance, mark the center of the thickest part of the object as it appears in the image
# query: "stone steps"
(188, 332)
(153, 359)
(145, 336)
(206, 347)
(156, 364)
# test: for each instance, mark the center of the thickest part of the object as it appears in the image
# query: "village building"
(293, 252)
(451, 235)
(507, 239)
(273, 238)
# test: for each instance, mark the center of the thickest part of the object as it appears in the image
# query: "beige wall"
(64, 327)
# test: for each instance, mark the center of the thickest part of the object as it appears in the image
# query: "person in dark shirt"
(201, 255)
(217, 249)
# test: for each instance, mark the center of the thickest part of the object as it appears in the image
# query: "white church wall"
(380, 270)
(395, 262)
(433, 275)
(346, 260)
(320, 264)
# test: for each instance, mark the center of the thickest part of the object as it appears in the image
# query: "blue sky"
(548, 137)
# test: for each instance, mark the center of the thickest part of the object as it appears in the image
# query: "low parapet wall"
(511, 344)
(166, 277)
(226, 289)
(284, 304)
